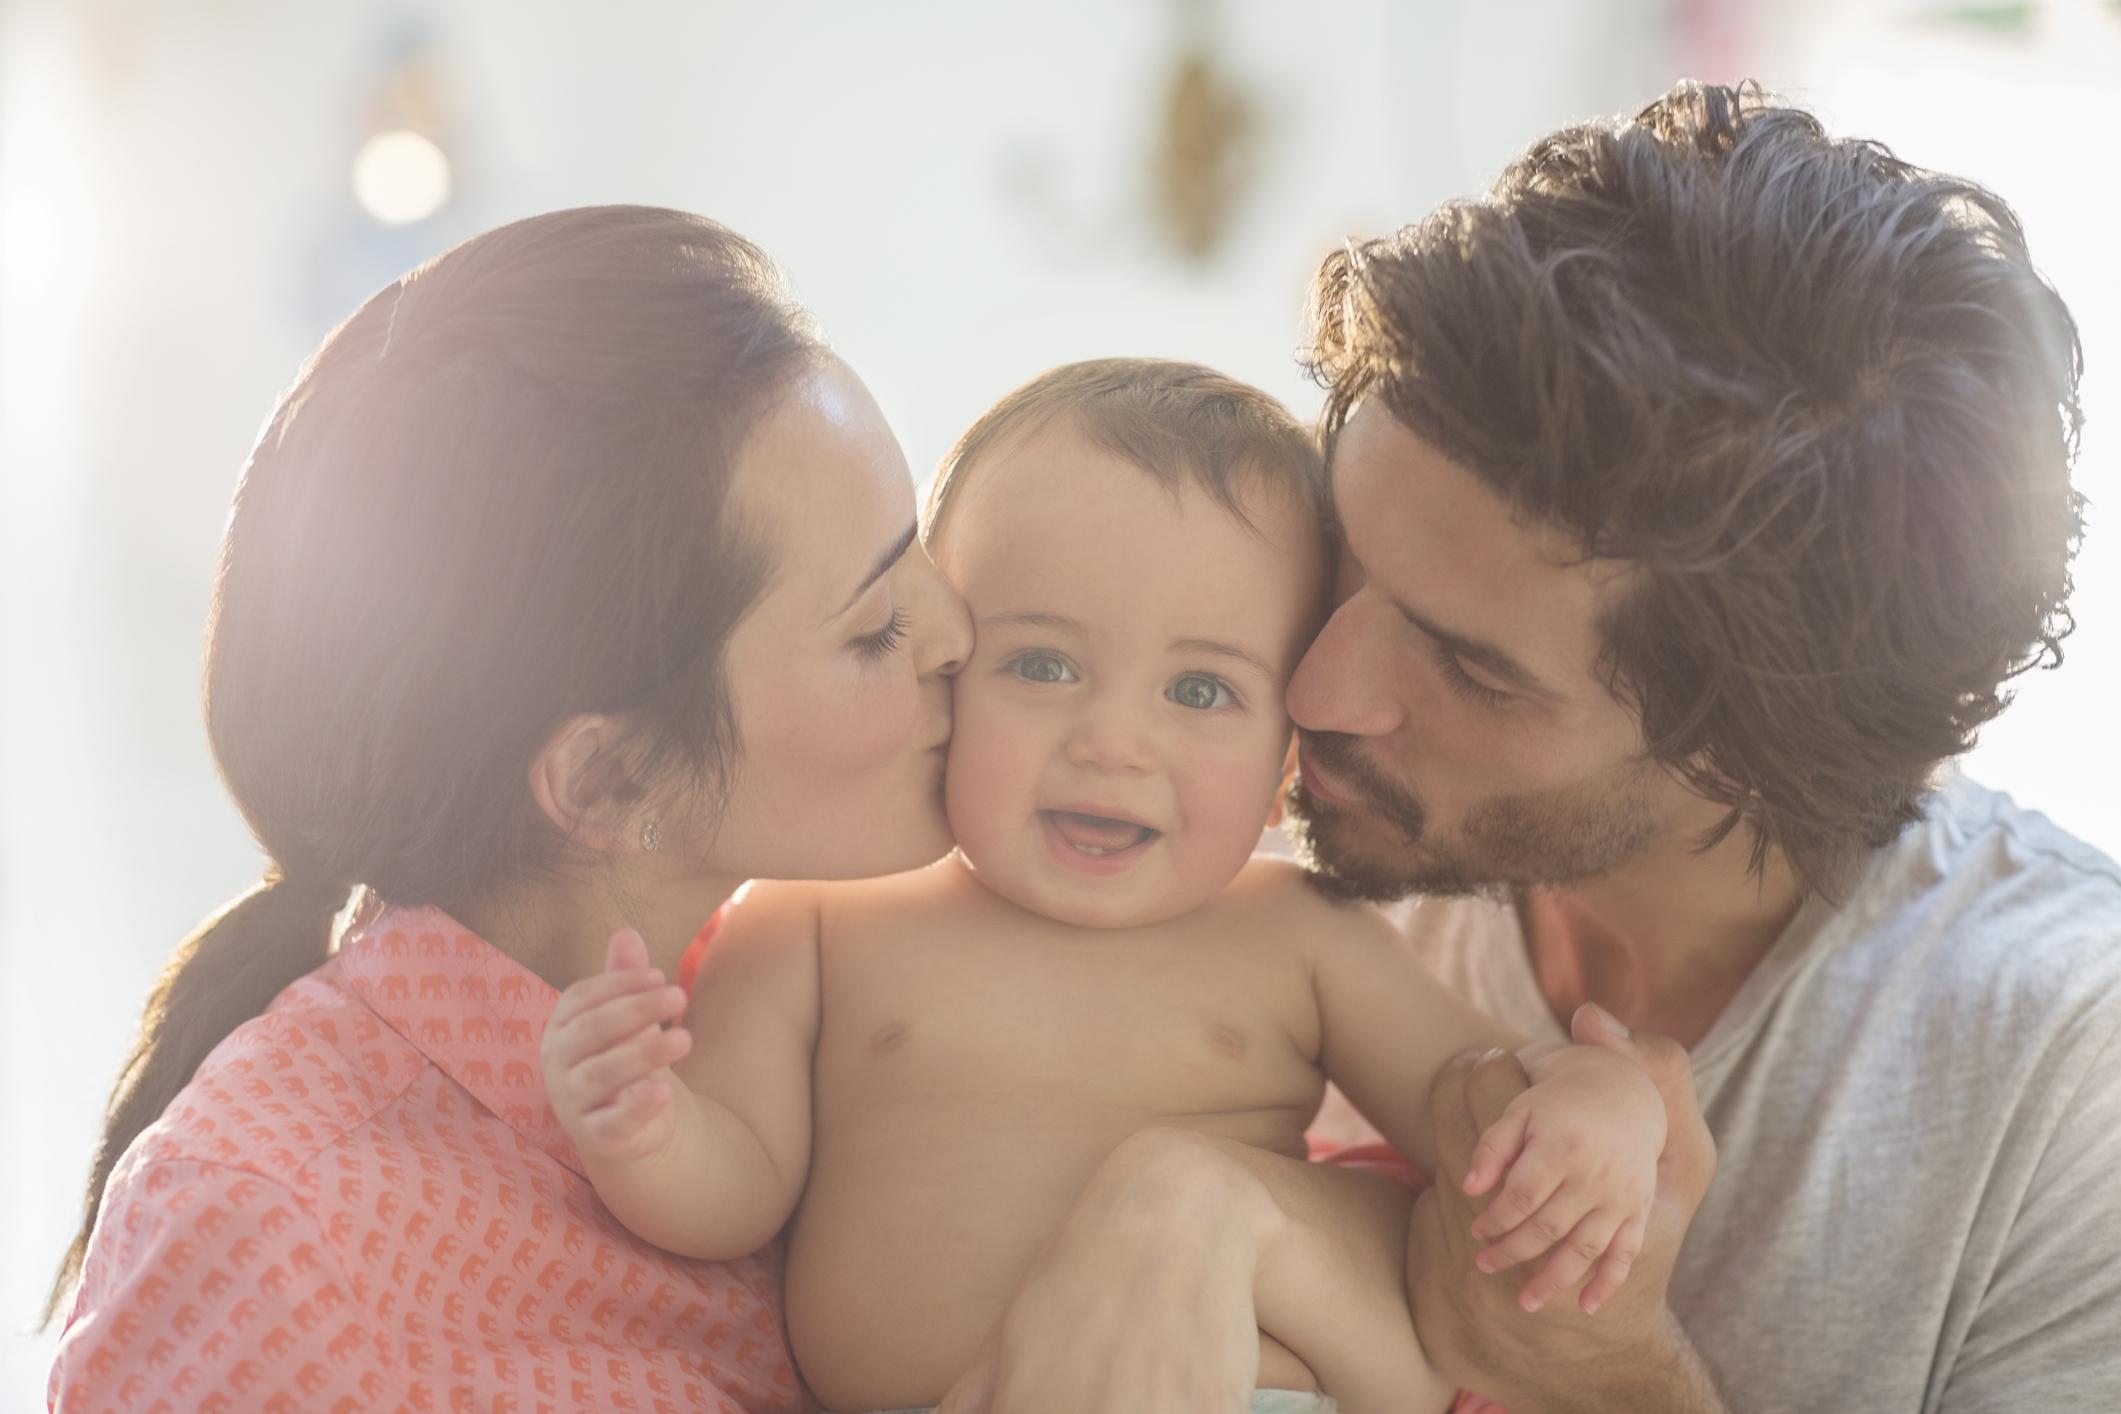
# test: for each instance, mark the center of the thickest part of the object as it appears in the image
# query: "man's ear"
(578, 779)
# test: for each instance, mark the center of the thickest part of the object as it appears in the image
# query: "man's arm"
(1632, 1355)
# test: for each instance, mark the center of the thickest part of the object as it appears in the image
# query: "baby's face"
(1119, 732)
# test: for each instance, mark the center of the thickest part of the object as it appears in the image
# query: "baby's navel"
(1228, 1041)
(889, 1037)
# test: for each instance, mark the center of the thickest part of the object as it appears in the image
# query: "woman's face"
(840, 673)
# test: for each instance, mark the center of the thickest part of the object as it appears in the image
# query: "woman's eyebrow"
(877, 571)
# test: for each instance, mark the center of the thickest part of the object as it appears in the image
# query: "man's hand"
(1633, 1356)
(1576, 1156)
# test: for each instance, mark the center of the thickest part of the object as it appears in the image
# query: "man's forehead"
(1439, 538)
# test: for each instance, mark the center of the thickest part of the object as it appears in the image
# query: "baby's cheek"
(1226, 810)
(978, 781)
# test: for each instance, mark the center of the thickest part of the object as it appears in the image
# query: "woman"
(572, 583)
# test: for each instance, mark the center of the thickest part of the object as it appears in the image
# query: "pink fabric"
(363, 1201)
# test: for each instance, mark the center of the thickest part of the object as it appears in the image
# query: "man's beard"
(1508, 843)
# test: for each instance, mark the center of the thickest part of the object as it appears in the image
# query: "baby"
(925, 1070)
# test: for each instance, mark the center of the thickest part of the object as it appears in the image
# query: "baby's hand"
(607, 1056)
(1580, 1148)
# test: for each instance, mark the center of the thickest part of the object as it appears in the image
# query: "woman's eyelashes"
(1196, 691)
(872, 646)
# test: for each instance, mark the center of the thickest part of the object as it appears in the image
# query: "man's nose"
(1344, 682)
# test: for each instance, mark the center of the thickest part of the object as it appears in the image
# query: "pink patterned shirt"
(363, 1201)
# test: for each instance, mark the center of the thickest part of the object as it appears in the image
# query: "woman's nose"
(1344, 683)
(942, 625)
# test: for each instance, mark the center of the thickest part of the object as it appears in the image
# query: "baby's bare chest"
(943, 1017)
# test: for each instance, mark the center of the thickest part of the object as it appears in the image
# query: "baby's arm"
(696, 1137)
(1576, 1153)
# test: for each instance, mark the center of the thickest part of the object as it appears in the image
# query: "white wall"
(957, 191)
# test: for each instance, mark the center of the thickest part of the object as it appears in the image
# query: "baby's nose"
(1110, 739)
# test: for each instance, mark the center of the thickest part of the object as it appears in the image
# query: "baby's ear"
(581, 781)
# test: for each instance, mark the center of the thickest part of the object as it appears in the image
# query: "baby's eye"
(1201, 692)
(1041, 667)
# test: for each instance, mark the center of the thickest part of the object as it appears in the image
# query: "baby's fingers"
(1555, 1212)
(1613, 1270)
(633, 1125)
(593, 992)
(1585, 1244)
(1499, 1146)
(621, 1017)
(598, 1081)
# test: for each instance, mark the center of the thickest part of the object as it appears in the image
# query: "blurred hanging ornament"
(1205, 145)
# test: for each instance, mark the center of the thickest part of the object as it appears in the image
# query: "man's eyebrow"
(877, 571)
(1480, 651)
(1219, 649)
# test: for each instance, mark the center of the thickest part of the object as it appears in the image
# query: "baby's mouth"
(1097, 835)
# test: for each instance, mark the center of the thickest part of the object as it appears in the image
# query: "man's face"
(1455, 733)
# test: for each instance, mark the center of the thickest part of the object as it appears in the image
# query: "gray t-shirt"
(1916, 1100)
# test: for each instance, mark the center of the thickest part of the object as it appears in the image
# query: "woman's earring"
(651, 836)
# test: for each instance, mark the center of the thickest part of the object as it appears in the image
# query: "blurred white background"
(964, 192)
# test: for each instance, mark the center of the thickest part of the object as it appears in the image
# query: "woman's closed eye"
(872, 646)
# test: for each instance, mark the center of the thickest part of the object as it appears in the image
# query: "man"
(1703, 486)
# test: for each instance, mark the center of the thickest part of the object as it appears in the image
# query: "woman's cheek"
(869, 725)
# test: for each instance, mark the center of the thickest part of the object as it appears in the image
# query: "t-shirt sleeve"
(213, 1288)
(2048, 1333)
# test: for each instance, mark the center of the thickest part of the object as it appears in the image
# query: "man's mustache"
(1343, 755)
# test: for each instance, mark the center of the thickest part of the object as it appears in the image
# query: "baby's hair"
(1178, 422)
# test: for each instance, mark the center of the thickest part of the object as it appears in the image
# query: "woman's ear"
(578, 779)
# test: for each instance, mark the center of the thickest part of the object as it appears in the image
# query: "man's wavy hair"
(1817, 397)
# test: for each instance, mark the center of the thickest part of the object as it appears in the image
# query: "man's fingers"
(1468, 1095)
(1689, 1159)
(1497, 1078)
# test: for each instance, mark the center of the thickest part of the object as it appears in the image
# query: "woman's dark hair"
(1819, 398)
(496, 497)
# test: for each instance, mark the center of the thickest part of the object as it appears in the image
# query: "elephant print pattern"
(363, 1201)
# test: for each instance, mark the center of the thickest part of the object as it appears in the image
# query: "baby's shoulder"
(921, 897)
(1280, 897)
(1285, 891)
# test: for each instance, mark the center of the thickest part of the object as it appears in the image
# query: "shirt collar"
(476, 1013)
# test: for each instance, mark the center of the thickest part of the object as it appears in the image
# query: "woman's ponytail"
(225, 973)
(497, 497)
